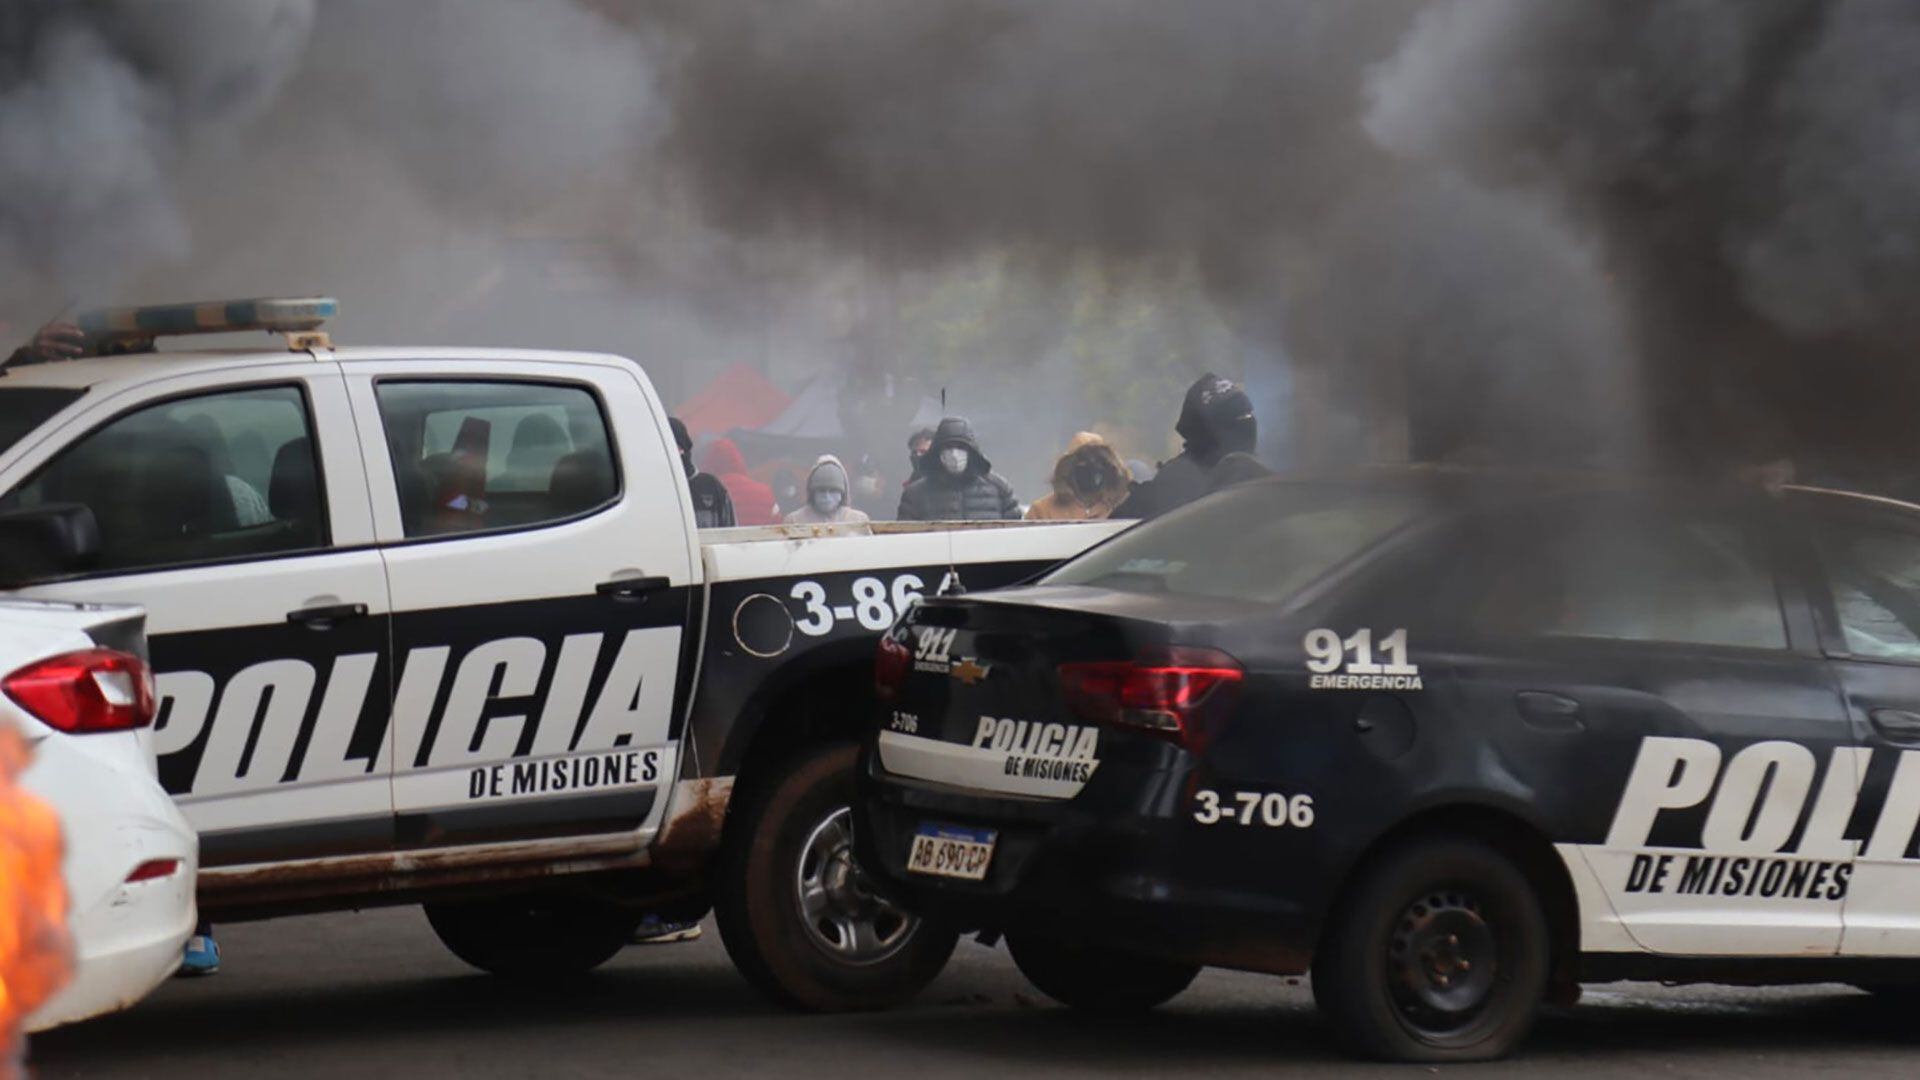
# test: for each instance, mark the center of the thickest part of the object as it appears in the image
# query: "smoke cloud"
(1589, 231)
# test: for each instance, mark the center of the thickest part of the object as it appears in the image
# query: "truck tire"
(796, 915)
(1439, 953)
(1098, 980)
(535, 936)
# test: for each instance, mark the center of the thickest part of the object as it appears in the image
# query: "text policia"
(1758, 800)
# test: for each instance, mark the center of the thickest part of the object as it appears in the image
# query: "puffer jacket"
(828, 475)
(978, 494)
(752, 500)
(1064, 503)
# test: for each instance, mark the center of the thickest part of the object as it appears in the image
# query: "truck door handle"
(1549, 712)
(324, 616)
(630, 589)
(1896, 724)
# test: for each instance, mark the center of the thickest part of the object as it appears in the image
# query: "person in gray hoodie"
(827, 497)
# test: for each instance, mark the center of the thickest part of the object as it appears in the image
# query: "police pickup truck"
(435, 625)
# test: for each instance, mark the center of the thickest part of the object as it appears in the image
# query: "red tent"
(738, 397)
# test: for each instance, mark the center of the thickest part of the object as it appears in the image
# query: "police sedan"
(1451, 744)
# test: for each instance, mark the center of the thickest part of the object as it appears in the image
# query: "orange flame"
(36, 956)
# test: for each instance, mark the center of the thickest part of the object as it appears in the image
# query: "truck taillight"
(153, 870)
(83, 692)
(890, 666)
(1162, 692)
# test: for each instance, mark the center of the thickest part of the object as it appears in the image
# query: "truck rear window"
(24, 408)
(1260, 542)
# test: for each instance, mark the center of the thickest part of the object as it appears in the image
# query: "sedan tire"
(1439, 953)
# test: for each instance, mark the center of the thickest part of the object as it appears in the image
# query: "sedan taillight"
(1162, 691)
(84, 692)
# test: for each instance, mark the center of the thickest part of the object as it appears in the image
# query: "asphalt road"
(373, 994)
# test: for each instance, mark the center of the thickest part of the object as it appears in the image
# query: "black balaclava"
(1216, 419)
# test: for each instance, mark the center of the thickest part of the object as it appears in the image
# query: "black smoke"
(1584, 230)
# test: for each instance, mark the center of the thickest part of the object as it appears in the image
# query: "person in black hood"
(957, 482)
(712, 506)
(1216, 421)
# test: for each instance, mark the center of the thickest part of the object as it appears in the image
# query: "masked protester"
(957, 482)
(918, 445)
(1089, 480)
(712, 507)
(1216, 420)
(829, 497)
(752, 500)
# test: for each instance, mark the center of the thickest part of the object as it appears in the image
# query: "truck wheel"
(1098, 980)
(533, 936)
(797, 916)
(1439, 953)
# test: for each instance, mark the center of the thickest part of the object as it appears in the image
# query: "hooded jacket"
(828, 475)
(977, 494)
(1216, 420)
(1065, 502)
(752, 500)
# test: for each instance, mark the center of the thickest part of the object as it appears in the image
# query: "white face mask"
(954, 459)
(826, 501)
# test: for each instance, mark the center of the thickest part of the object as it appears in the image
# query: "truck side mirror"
(46, 541)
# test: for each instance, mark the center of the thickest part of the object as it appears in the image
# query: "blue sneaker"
(202, 956)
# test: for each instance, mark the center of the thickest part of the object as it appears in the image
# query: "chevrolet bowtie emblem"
(969, 671)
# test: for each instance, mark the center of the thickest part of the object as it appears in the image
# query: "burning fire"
(35, 953)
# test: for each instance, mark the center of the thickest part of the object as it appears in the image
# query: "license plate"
(951, 851)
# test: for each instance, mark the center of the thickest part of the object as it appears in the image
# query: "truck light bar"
(133, 329)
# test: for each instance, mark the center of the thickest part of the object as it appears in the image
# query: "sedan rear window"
(1261, 542)
(24, 408)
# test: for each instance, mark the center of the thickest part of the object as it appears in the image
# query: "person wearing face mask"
(1216, 421)
(1089, 480)
(919, 444)
(957, 483)
(828, 501)
(712, 506)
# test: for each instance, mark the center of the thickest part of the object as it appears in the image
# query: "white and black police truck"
(435, 625)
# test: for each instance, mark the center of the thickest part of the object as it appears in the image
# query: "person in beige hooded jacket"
(828, 497)
(1089, 480)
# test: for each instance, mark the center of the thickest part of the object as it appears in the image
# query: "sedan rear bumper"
(1130, 881)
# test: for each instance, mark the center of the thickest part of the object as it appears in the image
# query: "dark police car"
(1453, 745)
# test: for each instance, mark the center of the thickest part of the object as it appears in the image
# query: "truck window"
(470, 456)
(218, 476)
(24, 408)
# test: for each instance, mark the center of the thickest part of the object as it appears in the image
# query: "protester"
(1089, 480)
(753, 502)
(957, 482)
(829, 499)
(1216, 420)
(918, 444)
(712, 506)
